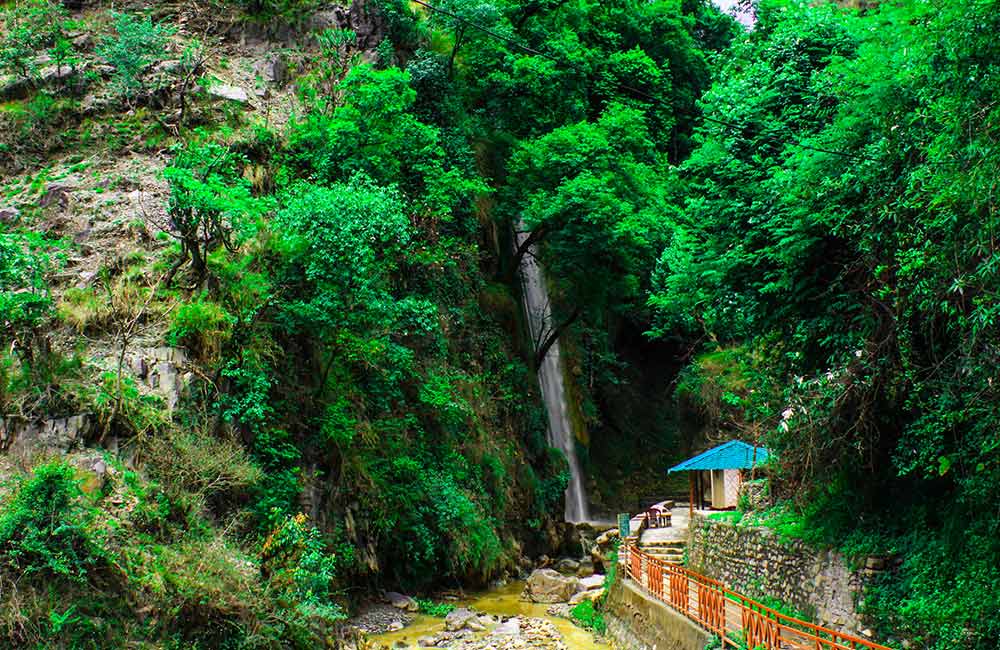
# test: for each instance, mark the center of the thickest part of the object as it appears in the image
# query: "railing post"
(761, 625)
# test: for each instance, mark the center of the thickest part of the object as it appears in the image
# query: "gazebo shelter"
(716, 475)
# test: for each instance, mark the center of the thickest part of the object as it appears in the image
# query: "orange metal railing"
(737, 620)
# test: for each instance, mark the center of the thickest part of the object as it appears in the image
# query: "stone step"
(660, 546)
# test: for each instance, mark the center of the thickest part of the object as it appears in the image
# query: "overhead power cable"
(637, 91)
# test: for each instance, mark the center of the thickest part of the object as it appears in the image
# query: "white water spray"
(550, 378)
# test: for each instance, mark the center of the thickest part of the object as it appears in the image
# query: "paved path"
(677, 532)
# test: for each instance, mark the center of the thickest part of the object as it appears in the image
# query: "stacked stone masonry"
(757, 563)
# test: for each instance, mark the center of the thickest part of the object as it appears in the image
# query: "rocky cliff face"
(200, 454)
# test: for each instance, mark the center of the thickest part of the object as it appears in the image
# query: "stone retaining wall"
(638, 622)
(756, 563)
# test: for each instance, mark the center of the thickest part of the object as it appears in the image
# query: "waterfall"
(550, 379)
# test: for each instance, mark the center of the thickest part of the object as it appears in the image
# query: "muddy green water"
(505, 601)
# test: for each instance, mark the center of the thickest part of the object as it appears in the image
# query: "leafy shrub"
(334, 57)
(43, 528)
(433, 608)
(587, 615)
(84, 309)
(210, 205)
(403, 28)
(119, 403)
(732, 517)
(434, 520)
(136, 44)
(189, 461)
(202, 326)
(298, 561)
(24, 296)
(348, 239)
(247, 402)
(28, 28)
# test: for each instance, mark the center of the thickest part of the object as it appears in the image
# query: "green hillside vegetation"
(785, 235)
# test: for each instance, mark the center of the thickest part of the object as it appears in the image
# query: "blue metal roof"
(735, 454)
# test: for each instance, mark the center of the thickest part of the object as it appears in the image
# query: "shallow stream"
(503, 602)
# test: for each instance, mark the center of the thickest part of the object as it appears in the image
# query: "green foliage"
(733, 517)
(79, 561)
(247, 402)
(434, 608)
(118, 402)
(136, 44)
(211, 205)
(347, 239)
(586, 614)
(44, 527)
(551, 489)
(202, 326)
(195, 462)
(612, 575)
(373, 132)
(334, 59)
(594, 191)
(31, 28)
(24, 295)
(835, 228)
(297, 561)
(449, 531)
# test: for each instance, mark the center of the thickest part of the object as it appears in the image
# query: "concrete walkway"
(665, 543)
(677, 532)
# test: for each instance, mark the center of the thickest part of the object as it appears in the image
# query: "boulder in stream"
(549, 586)
(591, 594)
(567, 566)
(401, 601)
(462, 618)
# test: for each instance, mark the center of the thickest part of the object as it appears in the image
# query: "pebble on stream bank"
(379, 618)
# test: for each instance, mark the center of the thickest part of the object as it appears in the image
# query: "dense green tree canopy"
(837, 220)
(784, 233)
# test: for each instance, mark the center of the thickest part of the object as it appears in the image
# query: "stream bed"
(538, 630)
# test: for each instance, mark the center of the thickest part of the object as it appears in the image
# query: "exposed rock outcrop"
(26, 437)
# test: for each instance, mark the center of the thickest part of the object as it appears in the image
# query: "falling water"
(550, 378)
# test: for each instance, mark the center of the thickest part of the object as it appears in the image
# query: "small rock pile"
(380, 618)
(515, 633)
